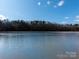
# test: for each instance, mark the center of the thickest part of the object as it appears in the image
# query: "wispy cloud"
(77, 18)
(48, 2)
(64, 22)
(61, 3)
(55, 6)
(67, 17)
(39, 3)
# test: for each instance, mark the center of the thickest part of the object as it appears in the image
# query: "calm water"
(39, 45)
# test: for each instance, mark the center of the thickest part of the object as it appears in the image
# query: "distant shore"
(20, 25)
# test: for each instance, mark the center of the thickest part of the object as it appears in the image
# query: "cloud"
(63, 22)
(2, 17)
(77, 17)
(39, 3)
(55, 6)
(61, 3)
(66, 17)
(76, 20)
(48, 2)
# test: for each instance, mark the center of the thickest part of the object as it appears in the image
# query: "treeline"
(21, 25)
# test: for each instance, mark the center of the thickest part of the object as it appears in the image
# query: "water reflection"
(39, 45)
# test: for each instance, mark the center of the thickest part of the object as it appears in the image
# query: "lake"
(39, 45)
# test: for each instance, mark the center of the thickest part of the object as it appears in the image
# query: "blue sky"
(61, 11)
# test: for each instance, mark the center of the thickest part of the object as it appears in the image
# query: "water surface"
(39, 45)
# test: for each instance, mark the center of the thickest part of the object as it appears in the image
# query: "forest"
(21, 25)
